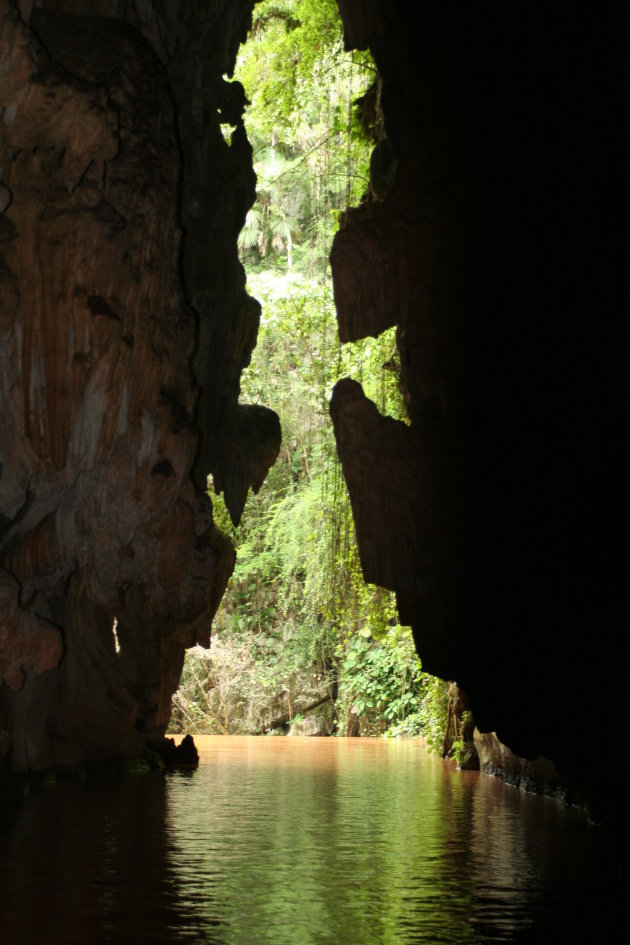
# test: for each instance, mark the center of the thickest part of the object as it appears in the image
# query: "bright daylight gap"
(300, 643)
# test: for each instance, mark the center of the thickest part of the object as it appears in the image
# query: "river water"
(291, 841)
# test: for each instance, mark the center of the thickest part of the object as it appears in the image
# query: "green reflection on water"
(290, 842)
(350, 849)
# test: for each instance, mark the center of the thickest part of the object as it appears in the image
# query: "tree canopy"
(310, 150)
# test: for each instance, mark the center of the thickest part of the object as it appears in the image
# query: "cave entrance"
(300, 642)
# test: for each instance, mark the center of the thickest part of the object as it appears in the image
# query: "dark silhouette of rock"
(497, 516)
(184, 754)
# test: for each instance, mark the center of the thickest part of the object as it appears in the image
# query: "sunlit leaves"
(309, 159)
(250, 234)
(298, 617)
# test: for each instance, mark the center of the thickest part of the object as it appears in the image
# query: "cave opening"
(495, 253)
(509, 434)
(297, 614)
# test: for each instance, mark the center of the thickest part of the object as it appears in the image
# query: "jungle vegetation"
(299, 634)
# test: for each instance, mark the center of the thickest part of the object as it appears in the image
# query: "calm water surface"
(284, 841)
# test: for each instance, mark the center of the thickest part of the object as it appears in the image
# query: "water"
(302, 842)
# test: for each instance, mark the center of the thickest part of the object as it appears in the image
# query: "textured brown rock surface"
(124, 326)
(536, 775)
(498, 252)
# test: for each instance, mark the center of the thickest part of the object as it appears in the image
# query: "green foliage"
(433, 711)
(310, 154)
(298, 624)
(298, 620)
(384, 681)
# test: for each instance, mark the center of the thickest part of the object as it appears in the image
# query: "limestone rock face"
(124, 326)
(535, 776)
(497, 251)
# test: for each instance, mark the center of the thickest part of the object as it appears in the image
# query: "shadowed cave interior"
(498, 516)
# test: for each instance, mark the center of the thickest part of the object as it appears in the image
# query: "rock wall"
(534, 776)
(497, 515)
(124, 326)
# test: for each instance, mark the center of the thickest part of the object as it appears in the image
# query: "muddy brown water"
(291, 841)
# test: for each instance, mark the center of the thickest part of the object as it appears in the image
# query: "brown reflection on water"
(90, 863)
(303, 842)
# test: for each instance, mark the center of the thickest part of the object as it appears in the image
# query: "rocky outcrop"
(459, 734)
(313, 726)
(534, 776)
(124, 326)
(497, 251)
